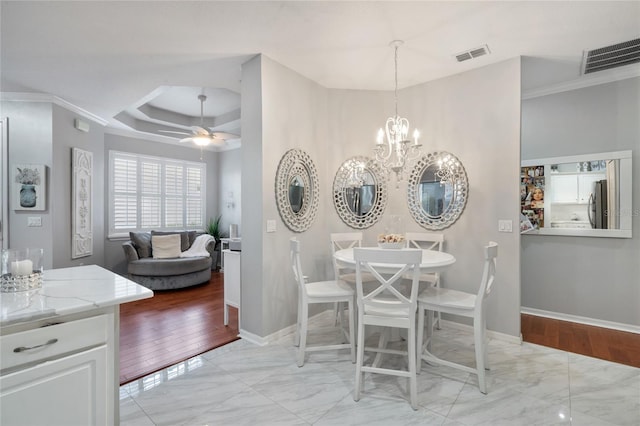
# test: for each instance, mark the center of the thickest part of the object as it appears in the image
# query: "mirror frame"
(296, 162)
(339, 198)
(625, 190)
(460, 191)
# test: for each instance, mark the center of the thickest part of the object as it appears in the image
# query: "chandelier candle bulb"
(380, 139)
(416, 136)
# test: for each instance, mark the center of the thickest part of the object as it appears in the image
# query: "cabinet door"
(73, 390)
(564, 188)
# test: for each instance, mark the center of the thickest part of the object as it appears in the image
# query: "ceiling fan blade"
(224, 135)
(189, 139)
(201, 131)
(174, 132)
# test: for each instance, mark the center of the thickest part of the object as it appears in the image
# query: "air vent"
(616, 55)
(473, 53)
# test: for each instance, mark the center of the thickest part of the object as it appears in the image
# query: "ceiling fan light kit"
(200, 135)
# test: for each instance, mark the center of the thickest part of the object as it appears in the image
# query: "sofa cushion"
(168, 267)
(184, 237)
(165, 246)
(142, 242)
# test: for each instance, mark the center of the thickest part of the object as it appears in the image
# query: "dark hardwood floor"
(611, 345)
(173, 326)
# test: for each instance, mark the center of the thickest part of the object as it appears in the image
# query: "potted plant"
(213, 229)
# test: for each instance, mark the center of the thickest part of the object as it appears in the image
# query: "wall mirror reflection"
(437, 190)
(359, 192)
(586, 195)
(297, 194)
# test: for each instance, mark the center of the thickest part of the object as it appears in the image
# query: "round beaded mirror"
(297, 194)
(437, 190)
(360, 192)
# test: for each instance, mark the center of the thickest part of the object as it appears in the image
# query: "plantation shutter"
(125, 206)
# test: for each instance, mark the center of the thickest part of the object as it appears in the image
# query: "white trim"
(617, 74)
(253, 338)
(616, 155)
(491, 334)
(43, 97)
(582, 320)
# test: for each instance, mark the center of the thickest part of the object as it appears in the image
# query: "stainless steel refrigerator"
(598, 205)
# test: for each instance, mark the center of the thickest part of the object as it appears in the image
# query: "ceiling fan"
(201, 135)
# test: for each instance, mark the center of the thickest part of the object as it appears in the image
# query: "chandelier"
(396, 150)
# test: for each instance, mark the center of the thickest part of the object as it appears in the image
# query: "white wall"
(229, 171)
(475, 115)
(596, 278)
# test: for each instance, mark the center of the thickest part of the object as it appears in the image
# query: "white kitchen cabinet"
(72, 390)
(59, 348)
(572, 187)
(231, 282)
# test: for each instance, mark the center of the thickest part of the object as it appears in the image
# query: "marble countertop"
(67, 291)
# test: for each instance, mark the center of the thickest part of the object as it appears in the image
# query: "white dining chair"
(340, 241)
(330, 291)
(384, 304)
(427, 241)
(464, 304)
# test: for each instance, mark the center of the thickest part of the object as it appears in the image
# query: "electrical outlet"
(271, 225)
(34, 221)
(505, 225)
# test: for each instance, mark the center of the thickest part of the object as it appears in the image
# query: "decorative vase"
(28, 195)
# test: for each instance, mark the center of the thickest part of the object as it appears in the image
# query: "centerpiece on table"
(391, 241)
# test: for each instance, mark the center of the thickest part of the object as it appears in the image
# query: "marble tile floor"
(245, 384)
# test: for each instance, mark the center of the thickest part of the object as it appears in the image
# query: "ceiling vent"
(616, 55)
(473, 53)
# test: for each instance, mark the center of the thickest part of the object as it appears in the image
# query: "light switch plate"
(505, 225)
(271, 225)
(34, 221)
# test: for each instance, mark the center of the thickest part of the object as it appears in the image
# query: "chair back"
(388, 267)
(340, 241)
(296, 265)
(489, 272)
(423, 240)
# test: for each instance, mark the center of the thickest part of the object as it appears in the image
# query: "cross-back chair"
(331, 291)
(464, 304)
(383, 303)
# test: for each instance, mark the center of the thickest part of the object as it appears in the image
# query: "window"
(148, 193)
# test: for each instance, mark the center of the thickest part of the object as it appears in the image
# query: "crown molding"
(130, 133)
(43, 97)
(589, 80)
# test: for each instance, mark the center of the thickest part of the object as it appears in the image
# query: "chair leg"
(352, 333)
(419, 339)
(359, 361)
(303, 334)
(296, 337)
(413, 380)
(480, 352)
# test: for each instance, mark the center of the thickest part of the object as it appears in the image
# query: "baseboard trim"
(581, 320)
(491, 334)
(253, 338)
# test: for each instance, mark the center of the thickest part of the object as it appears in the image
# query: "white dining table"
(432, 260)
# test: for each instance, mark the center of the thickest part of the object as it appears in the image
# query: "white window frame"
(163, 162)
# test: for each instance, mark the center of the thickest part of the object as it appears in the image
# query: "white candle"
(22, 267)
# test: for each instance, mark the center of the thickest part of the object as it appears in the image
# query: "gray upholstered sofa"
(166, 274)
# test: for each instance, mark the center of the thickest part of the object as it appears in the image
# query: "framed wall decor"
(29, 187)
(82, 204)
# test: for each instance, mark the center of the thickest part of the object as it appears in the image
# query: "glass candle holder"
(21, 269)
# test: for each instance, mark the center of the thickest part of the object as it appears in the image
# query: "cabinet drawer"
(42, 343)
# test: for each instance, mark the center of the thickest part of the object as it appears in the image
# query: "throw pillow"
(142, 242)
(165, 246)
(184, 237)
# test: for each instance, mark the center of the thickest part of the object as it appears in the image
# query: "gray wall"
(229, 171)
(453, 114)
(589, 277)
(113, 254)
(44, 133)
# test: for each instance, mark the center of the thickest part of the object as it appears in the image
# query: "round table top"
(432, 260)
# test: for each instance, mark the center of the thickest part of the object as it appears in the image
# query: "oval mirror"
(437, 190)
(297, 194)
(359, 192)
